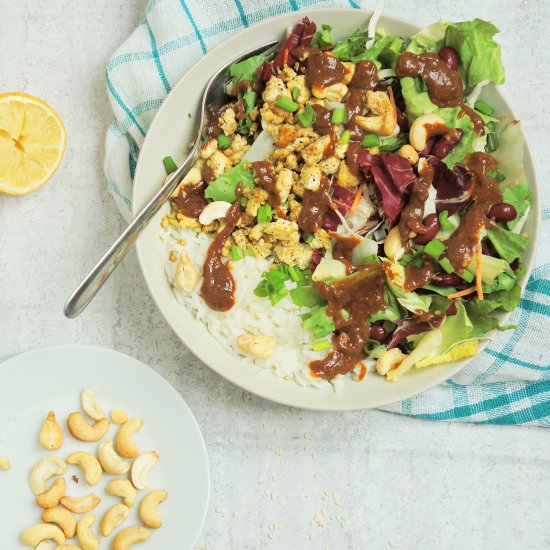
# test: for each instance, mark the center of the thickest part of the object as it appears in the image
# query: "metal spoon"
(214, 93)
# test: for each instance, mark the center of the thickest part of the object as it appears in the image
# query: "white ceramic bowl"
(170, 134)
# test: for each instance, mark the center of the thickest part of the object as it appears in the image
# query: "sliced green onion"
(419, 84)
(321, 345)
(392, 144)
(295, 93)
(435, 248)
(244, 201)
(169, 165)
(287, 104)
(283, 268)
(406, 259)
(491, 145)
(223, 141)
(309, 238)
(236, 253)
(497, 175)
(345, 315)
(308, 116)
(250, 251)
(344, 138)
(468, 276)
(370, 140)
(446, 265)
(445, 223)
(296, 275)
(264, 213)
(484, 107)
(339, 115)
(278, 295)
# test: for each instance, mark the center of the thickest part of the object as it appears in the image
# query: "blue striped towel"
(508, 383)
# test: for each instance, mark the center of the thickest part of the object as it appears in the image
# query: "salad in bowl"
(356, 207)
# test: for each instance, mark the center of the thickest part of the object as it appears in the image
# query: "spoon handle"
(88, 288)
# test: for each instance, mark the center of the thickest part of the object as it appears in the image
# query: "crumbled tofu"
(287, 74)
(259, 196)
(271, 114)
(345, 178)
(299, 254)
(321, 239)
(282, 230)
(285, 134)
(300, 83)
(291, 161)
(209, 147)
(236, 151)
(284, 182)
(228, 122)
(240, 238)
(219, 163)
(314, 152)
(310, 177)
(330, 165)
(274, 90)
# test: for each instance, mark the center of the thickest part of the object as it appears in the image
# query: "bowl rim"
(452, 368)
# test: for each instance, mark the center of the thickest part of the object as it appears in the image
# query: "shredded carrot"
(357, 198)
(461, 293)
(362, 372)
(479, 257)
(285, 58)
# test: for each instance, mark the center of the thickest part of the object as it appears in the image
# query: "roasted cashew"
(112, 463)
(35, 534)
(141, 467)
(42, 471)
(63, 518)
(424, 127)
(123, 440)
(4, 463)
(90, 405)
(122, 488)
(51, 436)
(89, 464)
(80, 505)
(408, 152)
(256, 345)
(187, 276)
(67, 547)
(384, 118)
(86, 538)
(130, 536)
(82, 431)
(214, 211)
(148, 508)
(388, 360)
(51, 497)
(393, 247)
(119, 416)
(113, 517)
(44, 546)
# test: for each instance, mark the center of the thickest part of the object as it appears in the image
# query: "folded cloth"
(508, 383)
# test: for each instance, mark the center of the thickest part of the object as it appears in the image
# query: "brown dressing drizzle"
(218, 286)
(361, 295)
(342, 248)
(331, 147)
(352, 156)
(323, 69)
(444, 85)
(190, 199)
(268, 180)
(207, 174)
(485, 194)
(413, 213)
(365, 76)
(243, 85)
(323, 122)
(314, 207)
(418, 277)
(214, 112)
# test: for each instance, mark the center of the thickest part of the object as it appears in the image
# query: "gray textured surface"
(281, 478)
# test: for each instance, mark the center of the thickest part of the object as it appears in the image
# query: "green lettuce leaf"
(479, 54)
(391, 313)
(384, 50)
(318, 322)
(411, 300)
(352, 46)
(323, 37)
(429, 39)
(246, 69)
(509, 245)
(455, 328)
(491, 268)
(223, 187)
(520, 198)
(306, 296)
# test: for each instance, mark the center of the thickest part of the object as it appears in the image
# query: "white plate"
(51, 379)
(170, 134)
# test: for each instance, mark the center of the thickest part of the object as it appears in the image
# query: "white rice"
(250, 313)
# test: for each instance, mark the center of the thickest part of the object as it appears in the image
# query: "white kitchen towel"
(508, 383)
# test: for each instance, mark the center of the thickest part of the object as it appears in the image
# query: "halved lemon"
(32, 143)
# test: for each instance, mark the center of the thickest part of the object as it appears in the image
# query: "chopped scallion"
(287, 104)
(435, 248)
(391, 144)
(264, 213)
(250, 251)
(446, 265)
(370, 140)
(295, 93)
(223, 141)
(468, 276)
(296, 275)
(320, 345)
(169, 165)
(344, 138)
(309, 238)
(235, 253)
(484, 107)
(491, 145)
(308, 116)
(339, 115)
(277, 296)
(445, 223)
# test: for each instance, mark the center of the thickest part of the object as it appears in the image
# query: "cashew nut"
(86, 538)
(130, 536)
(90, 405)
(80, 505)
(67, 547)
(334, 92)
(89, 464)
(122, 488)
(81, 430)
(4, 463)
(350, 71)
(63, 518)
(123, 440)
(114, 516)
(187, 275)
(390, 359)
(408, 152)
(112, 463)
(141, 467)
(148, 508)
(42, 471)
(214, 211)
(119, 416)
(384, 118)
(192, 177)
(35, 534)
(256, 345)
(44, 546)
(393, 247)
(51, 436)
(53, 495)
(424, 127)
